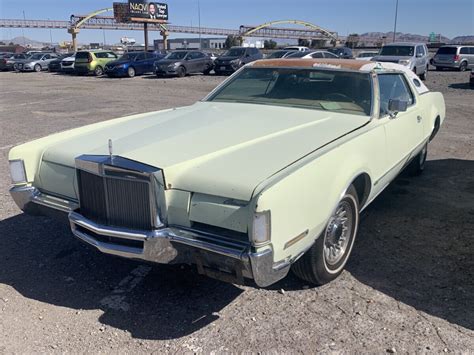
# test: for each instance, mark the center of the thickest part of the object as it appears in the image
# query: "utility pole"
(105, 40)
(199, 18)
(50, 36)
(395, 26)
(23, 30)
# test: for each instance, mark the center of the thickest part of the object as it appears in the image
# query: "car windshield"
(234, 52)
(447, 50)
(319, 89)
(367, 54)
(399, 51)
(336, 51)
(36, 56)
(298, 55)
(176, 55)
(279, 54)
(129, 56)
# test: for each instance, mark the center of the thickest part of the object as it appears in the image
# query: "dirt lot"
(409, 286)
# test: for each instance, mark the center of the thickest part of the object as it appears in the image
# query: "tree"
(232, 41)
(269, 44)
(352, 40)
(303, 42)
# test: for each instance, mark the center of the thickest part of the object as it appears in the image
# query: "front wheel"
(98, 71)
(207, 70)
(463, 66)
(37, 68)
(181, 72)
(131, 72)
(326, 259)
(424, 75)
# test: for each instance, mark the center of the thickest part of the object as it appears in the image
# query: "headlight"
(17, 172)
(404, 62)
(235, 62)
(261, 231)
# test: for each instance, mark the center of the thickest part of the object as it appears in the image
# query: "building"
(191, 43)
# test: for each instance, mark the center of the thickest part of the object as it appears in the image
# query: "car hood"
(225, 59)
(390, 58)
(167, 61)
(222, 149)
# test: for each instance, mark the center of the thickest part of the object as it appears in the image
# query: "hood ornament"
(111, 151)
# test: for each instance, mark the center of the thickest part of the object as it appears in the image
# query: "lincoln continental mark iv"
(269, 172)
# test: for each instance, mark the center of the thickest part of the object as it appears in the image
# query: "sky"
(451, 18)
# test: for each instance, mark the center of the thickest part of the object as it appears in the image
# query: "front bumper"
(225, 68)
(166, 70)
(115, 71)
(214, 256)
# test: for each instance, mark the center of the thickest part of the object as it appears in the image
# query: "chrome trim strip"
(24, 196)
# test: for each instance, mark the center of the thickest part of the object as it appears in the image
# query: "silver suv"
(411, 55)
(457, 57)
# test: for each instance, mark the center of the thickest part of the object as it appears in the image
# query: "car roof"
(405, 44)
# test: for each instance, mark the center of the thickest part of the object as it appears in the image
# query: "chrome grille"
(115, 201)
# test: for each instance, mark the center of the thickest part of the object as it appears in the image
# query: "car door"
(149, 62)
(201, 62)
(192, 62)
(471, 57)
(419, 61)
(404, 132)
(140, 63)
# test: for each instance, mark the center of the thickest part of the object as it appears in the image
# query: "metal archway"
(76, 27)
(294, 22)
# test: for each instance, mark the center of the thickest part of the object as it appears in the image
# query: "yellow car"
(269, 171)
(93, 62)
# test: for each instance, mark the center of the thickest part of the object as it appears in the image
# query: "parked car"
(37, 62)
(8, 60)
(182, 63)
(132, 63)
(269, 171)
(235, 58)
(471, 80)
(366, 55)
(297, 48)
(55, 65)
(282, 54)
(412, 55)
(67, 64)
(342, 52)
(212, 55)
(456, 57)
(313, 55)
(93, 61)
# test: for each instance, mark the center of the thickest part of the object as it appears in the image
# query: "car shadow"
(463, 86)
(415, 244)
(42, 261)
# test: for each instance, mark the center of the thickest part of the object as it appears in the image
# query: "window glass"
(401, 51)
(447, 50)
(140, 56)
(393, 87)
(330, 55)
(471, 50)
(110, 55)
(317, 55)
(318, 89)
(464, 50)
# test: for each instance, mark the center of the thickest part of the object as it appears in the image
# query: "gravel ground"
(409, 285)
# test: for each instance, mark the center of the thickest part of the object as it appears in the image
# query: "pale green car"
(269, 171)
(93, 61)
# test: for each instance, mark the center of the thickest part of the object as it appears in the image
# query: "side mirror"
(396, 106)
(419, 55)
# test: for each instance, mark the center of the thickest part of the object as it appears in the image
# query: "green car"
(88, 62)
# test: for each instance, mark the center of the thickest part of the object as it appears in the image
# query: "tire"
(37, 68)
(181, 72)
(319, 265)
(439, 68)
(208, 70)
(424, 75)
(417, 165)
(15, 67)
(98, 71)
(463, 66)
(131, 72)
(217, 72)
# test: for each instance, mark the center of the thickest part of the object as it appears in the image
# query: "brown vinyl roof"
(350, 64)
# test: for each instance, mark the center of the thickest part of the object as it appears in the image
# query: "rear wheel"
(207, 70)
(463, 66)
(131, 72)
(181, 72)
(424, 75)
(98, 71)
(417, 166)
(326, 259)
(37, 68)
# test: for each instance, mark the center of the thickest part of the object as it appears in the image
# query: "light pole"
(23, 30)
(395, 26)
(199, 18)
(50, 36)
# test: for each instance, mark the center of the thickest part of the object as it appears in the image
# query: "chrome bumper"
(215, 257)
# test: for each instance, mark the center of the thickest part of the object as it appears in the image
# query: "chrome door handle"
(419, 119)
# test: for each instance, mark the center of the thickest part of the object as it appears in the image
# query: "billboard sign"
(121, 12)
(147, 11)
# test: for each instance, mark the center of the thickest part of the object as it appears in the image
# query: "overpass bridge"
(96, 22)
